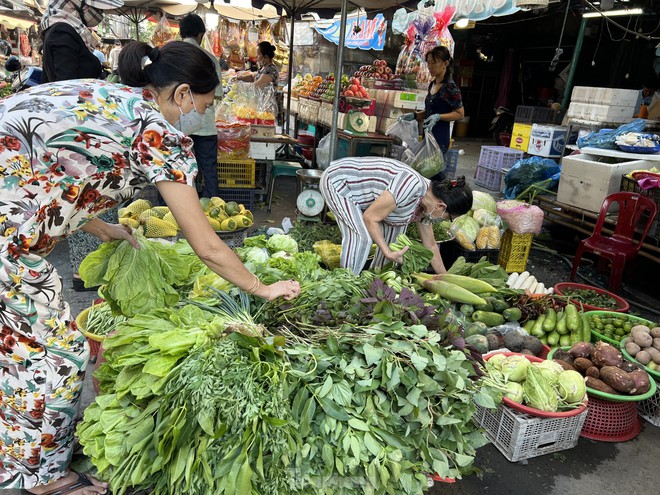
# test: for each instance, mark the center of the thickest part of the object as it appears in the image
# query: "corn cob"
(482, 237)
(494, 237)
(474, 285)
(464, 241)
(453, 292)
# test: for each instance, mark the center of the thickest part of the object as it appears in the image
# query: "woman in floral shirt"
(68, 151)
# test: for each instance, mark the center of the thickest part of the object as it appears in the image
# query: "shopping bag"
(429, 160)
(406, 131)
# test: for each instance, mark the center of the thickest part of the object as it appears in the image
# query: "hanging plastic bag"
(163, 32)
(233, 140)
(323, 152)
(266, 106)
(429, 160)
(406, 131)
(606, 138)
(265, 31)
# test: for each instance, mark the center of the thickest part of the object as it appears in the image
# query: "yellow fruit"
(232, 208)
(148, 214)
(122, 212)
(169, 218)
(249, 215)
(228, 224)
(156, 227)
(242, 221)
(241, 209)
(206, 203)
(129, 222)
(216, 201)
(216, 211)
(161, 211)
(137, 207)
(215, 224)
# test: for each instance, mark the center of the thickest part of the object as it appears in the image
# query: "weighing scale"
(310, 202)
(357, 123)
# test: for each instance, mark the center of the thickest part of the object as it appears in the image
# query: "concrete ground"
(591, 468)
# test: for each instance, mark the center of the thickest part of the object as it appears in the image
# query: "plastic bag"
(521, 217)
(163, 32)
(323, 152)
(330, 253)
(406, 131)
(233, 140)
(525, 173)
(266, 106)
(429, 159)
(606, 138)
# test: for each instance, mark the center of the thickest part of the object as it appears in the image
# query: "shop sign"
(362, 33)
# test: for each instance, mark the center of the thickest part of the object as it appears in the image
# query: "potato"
(617, 379)
(642, 339)
(632, 348)
(655, 332)
(638, 328)
(582, 364)
(592, 372)
(656, 343)
(599, 385)
(643, 357)
(654, 353)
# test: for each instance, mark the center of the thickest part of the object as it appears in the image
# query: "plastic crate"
(233, 239)
(609, 421)
(451, 163)
(236, 173)
(488, 178)
(241, 196)
(503, 173)
(451, 250)
(536, 115)
(514, 251)
(649, 409)
(498, 157)
(519, 436)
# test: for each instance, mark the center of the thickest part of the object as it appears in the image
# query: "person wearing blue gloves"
(443, 103)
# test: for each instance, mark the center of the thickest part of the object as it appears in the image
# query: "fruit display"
(326, 90)
(158, 221)
(307, 85)
(355, 89)
(377, 70)
(560, 327)
(643, 345)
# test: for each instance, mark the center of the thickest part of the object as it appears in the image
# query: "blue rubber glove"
(407, 117)
(429, 122)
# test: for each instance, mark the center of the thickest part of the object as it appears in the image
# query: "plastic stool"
(280, 169)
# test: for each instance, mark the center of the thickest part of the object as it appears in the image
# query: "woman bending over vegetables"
(69, 151)
(374, 200)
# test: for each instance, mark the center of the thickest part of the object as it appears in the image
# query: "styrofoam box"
(577, 110)
(609, 113)
(547, 140)
(294, 105)
(585, 182)
(263, 151)
(581, 94)
(619, 97)
(391, 112)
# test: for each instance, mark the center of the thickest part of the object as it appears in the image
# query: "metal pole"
(290, 75)
(574, 62)
(338, 74)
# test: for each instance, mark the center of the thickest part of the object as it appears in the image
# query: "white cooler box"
(547, 140)
(585, 181)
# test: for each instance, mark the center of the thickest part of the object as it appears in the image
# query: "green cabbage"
(282, 242)
(539, 392)
(482, 200)
(550, 370)
(514, 368)
(496, 360)
(256, 255)
(571, 387)
(467, 224)
(514, 391)
(486, 217)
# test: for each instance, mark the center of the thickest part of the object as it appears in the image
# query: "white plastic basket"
(649, 409)
(520, 436)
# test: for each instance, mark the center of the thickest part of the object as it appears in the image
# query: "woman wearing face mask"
(267, 73)
(68, 50)
(374, 200)
(71, 150)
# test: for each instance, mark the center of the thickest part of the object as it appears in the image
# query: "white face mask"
(191, 122)
(428, 219)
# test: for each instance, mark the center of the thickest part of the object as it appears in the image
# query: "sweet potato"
(564, 365)
(582, 364)
(606, 355)
(563, 355)
(642, 381)
(617, 379)
(581, 350)
(592, 372)
(599, 385)
(627, 366)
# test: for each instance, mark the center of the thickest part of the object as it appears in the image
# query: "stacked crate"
(491, 162)
(236, 181)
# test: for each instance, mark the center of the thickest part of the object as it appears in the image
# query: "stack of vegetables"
(563, 327)
(481, 227)
(644, 345)
(352, 386)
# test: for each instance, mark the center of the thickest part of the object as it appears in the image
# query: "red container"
(609, 421)
(306, 139)
(622, 304)
(308, 153)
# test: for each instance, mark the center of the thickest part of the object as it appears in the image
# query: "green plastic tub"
(596, 335)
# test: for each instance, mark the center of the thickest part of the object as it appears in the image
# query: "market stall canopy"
(307, 5)
(182, 7)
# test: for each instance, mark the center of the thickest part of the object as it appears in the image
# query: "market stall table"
(354, 141)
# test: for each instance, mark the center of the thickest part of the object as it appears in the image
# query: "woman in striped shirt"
(374, 200)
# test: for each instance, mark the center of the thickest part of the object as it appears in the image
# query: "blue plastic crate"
(241, 196)
(451, 163)
(498, 157)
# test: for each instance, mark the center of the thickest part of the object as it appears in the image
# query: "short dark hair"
(177, 62)
(456, 194)
(441, 52)
(266, 49)
(191, 26)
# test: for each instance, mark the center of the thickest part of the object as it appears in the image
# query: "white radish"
(551, 290)
(531, 280)
(512, 279)
(540, 289)
(532, 288)
(520, 280)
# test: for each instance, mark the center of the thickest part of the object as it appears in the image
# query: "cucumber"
(564, 341)
(512, 314)
(586, 328)
(572, 319)
(537, 329)
(544, 340)
(488, 317)
(467, 309)
(484, 307)
(561, 323)
(553, 338)
(528, 326)
(499, 305)
(550, 320)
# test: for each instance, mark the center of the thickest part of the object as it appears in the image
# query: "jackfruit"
(228, 224)
(216, 211)
(232, 208)
(249, 215)
(130, 222)
(156, 227)
(242, 221)
(161, 211)
(138, 206)
(148, 214)
(123, 212)
(169, 218)
(215, 224)
(217, 201)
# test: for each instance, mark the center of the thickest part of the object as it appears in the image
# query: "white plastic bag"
(323, 152)
(406, 131)
(429, 160)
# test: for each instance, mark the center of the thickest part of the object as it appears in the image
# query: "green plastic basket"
(595, 335)
(612, 397)
(653, 373)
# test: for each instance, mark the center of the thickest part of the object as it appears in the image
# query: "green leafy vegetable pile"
(416, 259)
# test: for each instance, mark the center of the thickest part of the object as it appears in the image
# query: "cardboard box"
(266, 131)
(585, 181)
(520, 136)
(263, 151)
(547, 140)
